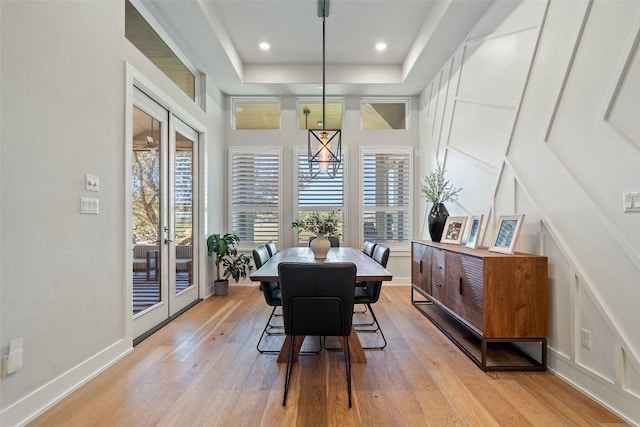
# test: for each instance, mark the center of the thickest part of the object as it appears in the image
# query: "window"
(139, 32)
(310, 114)
(386, 195)
(318, 194)
(385, 114)
(255, 195)
(256, 113)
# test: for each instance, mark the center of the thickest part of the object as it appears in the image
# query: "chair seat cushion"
(362, 294)
(272, 293)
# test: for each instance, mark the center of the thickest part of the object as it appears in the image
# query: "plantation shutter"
(255, 195)
(386, 196)
(320, 193)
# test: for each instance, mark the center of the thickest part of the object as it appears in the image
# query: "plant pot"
(320, 246)
(437, 217)
(220, 287)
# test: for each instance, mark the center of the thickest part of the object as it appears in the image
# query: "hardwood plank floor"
(203, 370)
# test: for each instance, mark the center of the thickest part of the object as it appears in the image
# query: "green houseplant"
(325, 223)
(322, 224)
(438, 190)
(228, 262)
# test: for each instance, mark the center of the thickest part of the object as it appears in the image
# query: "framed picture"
(453, 229)
(475, 226)
(506, 234)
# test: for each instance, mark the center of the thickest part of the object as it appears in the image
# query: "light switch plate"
(88, 205)
(92, 182)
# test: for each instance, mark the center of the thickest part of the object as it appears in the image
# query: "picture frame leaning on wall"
(475, 227)
(454, 229)
(506, 235)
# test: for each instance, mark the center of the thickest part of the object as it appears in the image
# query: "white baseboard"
(611, 396)
(38, 401)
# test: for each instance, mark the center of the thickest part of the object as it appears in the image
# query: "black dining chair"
(368, 293)
(317, 300)
(272, 297)
(271, 247)
(334, 240)
(368, 248)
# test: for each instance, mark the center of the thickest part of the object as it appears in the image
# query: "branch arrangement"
(438, 189)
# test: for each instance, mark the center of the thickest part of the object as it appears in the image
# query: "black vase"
(437, 217)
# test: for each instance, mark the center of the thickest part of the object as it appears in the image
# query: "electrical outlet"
(12, 362)
(585, 338)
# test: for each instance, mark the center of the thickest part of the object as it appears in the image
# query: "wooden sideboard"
(492, 306)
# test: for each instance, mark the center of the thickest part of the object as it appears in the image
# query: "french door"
(163, 203)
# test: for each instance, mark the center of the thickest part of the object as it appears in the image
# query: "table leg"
(284, 351)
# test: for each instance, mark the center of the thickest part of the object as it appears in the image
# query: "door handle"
(167, 241)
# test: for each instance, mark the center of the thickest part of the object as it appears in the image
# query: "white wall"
(537, 113)
(63, 116)
(289, 138)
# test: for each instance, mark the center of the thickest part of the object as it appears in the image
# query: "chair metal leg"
(377, 329)
(289, 366)
(266, 331)
(361, 311)
(347, 360)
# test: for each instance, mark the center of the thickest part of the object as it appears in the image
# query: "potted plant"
(322, 224)
(438, 190)
(228, 262)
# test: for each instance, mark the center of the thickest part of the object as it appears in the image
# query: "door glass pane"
(145, 210)
(183, 215)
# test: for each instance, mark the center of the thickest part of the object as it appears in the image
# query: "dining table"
(367, 269)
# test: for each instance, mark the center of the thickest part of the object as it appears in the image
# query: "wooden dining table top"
(367, 269)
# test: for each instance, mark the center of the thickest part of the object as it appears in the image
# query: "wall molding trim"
(568, 68)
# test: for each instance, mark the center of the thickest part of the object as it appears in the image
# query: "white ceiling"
(220, 38)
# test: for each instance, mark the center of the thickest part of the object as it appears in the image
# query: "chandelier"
(324, 145)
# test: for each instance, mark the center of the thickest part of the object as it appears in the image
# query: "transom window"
(256, 113)
(385, 114)
(310, 113)
(143, 36)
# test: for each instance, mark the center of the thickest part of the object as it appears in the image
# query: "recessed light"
(381, 46)
(264, 46)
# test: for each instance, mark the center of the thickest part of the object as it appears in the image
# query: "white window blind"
(386, 196)
(319, 194)
(255, 195)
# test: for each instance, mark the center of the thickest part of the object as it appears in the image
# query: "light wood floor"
(203, 370)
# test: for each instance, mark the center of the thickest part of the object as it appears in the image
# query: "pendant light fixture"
(324, 145)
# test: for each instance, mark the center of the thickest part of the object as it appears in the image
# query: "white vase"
(320, 246)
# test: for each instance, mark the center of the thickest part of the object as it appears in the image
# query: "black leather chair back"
(271, 290)
(260, 255)
(368, 248)
(381, 254)
(271, 247)
(317, 299)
